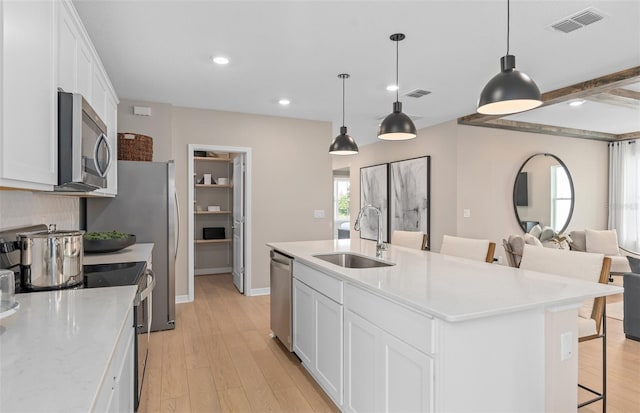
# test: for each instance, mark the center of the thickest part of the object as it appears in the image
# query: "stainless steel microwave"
(84, 153)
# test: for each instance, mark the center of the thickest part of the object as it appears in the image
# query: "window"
(560, 197)
(341, 205)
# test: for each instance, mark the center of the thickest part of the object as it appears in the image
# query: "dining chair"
(592, 320)
(409, 239)
(475, 249)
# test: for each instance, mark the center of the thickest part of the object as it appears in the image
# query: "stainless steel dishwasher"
(281, 280)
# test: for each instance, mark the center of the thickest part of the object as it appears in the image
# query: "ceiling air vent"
(578, 20)
(566, 26)
(417, 93)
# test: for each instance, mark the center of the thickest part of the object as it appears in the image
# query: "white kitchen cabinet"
(117, 392)
(303, 331)
(317, 329)
(382, 372)
(75, 60)
(28, 103)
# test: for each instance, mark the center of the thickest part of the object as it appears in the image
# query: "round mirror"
(543, 193)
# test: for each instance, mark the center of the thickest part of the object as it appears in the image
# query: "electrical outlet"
(566, 345)
(466, 213)
(318, 213)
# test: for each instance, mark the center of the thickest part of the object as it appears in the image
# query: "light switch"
(466, 213)
(318, 213)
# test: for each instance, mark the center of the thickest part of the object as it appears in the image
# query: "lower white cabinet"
(317, 337)
(116, 394)
(383, 373)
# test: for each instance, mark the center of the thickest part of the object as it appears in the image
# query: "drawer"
(408, 325)
(319, 281)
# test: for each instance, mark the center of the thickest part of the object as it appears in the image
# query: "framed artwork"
(410, 195)
(374, 190)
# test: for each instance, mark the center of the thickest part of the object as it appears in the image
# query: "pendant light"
(397, 126)
(343, 144)
(510, 91)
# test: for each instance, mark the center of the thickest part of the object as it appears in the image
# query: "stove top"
(111, 275)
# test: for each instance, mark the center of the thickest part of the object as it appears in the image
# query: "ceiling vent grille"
(578, 20)
(417, 93)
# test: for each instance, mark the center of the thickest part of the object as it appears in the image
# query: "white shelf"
(208, 159)
(212, 241)
(212, 212)
(212, 186)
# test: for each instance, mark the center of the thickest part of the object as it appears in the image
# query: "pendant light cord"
(343, 100)
(508, 18)
(397, 58)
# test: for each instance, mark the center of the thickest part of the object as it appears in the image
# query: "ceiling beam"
(612, 85)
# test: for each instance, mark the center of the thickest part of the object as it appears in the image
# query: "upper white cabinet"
(43, 47)
(28, 103)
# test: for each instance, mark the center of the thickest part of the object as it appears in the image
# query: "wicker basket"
(135, 147)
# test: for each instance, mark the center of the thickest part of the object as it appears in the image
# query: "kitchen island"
(63, 350)
(435, 333)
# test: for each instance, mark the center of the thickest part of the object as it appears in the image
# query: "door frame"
(248, 216)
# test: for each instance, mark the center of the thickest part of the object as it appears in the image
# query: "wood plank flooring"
(220, 358)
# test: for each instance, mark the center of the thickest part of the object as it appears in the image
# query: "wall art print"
(409, 195)
(374, 190)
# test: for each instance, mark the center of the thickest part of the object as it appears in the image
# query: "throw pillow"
(517, 244)
(634, 263)
(536, 230)
(531, 240)
(578, 242)
(603, 242)
(546, 234)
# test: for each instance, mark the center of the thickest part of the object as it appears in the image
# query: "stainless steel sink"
(348, 260)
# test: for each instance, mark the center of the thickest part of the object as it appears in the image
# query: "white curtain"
(624, 192)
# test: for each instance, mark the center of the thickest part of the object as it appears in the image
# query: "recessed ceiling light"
(392, 88)
(577, 102)
(221, 60)
(284, 102)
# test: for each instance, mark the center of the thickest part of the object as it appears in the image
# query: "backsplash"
(20, 208)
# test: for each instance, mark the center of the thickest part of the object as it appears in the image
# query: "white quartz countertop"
(55, 350)
(450, 288)
(134, 253)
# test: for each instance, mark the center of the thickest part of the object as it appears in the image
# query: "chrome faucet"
(379, 244)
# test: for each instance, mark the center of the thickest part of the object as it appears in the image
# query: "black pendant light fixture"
(510, 91)
(343, 144)
(397, 126)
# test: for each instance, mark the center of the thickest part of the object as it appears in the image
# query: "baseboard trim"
(181, 299)
(208, 271)
(259, 291)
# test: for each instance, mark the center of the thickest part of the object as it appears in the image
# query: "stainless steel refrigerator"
(146, 205)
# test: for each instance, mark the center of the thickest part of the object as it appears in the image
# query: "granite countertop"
(55, 350)
(134, 253)
(446, 287)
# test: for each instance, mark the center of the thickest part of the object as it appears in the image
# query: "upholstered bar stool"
(592, 320)
(475, 249)
(409, 239)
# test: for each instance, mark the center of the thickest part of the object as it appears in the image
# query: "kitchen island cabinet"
(439, 333)
(69, 351)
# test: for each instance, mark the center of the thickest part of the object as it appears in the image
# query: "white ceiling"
(160, 51)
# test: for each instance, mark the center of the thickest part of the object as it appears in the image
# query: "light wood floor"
(220, 358)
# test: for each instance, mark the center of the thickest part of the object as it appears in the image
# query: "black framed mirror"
(543, 193)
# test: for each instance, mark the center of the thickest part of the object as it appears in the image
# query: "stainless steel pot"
(51, 259)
